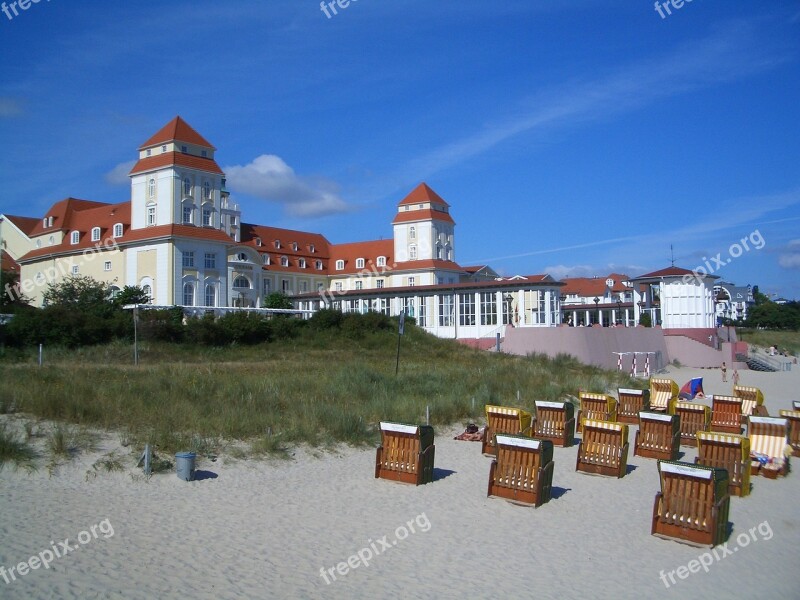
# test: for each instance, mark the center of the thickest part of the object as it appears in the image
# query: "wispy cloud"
(790, 256)
(269, 178)
(119, 174)
(10, 107)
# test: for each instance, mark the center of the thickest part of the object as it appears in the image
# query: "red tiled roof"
(25, 224)
(62, 213)
(422, 215)
(177, 130)
(180, 159)
(417, 265)
(286, 237)
(593, 286)
(369, 251)
(7, 263)
(421, 194)
(672, 271)
(182, 231)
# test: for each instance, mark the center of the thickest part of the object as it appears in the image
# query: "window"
(206, 190)
(411, 281)
(51, 240)
(266, 259)
(302, 263)
(294, 246)
(379, 283)
(113, 291)
(412, 233)
(488, 308)
(412, 252)
(340, 265)
(207, 219)
(210, 260)
(188, 259)
(303, 286)
(338, 286)
(449, 253)
(204, 153)
(466, 309)
(312, 249)
(188, 294)
(118, 230)
(508, 309)
(76, 237)
(381, 261)
(277, 244)
(446, 305)
(439, 252)
(184, 149)
(149, 152)
(285, 287)
(422, 317)
(241, 257)
(107, 265)
(211, 295)
(359, 284)
(267, 287)
(44, 222)
(284, 261)
(359, 263)
(318, 265)
(50, 221)
(164, 148)
(187, 187)
(148, 291)
(75, 269)
(151, 188)
(258, 242)
(241, 282)
(187, 213)
(151, 215)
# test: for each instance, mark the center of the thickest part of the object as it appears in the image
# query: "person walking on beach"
(724, 369)
(736, 377)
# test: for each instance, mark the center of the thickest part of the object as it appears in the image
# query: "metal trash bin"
(184, 465)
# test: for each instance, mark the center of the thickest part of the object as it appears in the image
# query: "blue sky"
(575, 137)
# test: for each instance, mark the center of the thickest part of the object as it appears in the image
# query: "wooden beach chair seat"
(693, 504)
(523, 470)
(769, 438)
(663, 395)
(793, 417)
(694, 417)
(603, 449)
(599, 407)
(504, 419)
(555, 421)
(726, 414)
(727, 451)
(631, 403)
(659, 436)
(406, 453)
(752, 401)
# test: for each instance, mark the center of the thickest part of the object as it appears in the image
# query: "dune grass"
(15, 451)
(785, 340)
(318, 389)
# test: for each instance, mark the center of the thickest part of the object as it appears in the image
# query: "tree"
(278, 300)
(80, 292)
(11, 297)
(131, 294)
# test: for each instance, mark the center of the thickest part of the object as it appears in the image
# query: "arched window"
(294, 246)
(148, 291)
(75, 237)
(340, 265)
(241, 282)
(381, 261)
(266, 259)
(187, 187)
(118, 230)
(359, 263)
(188, 294)
(318, 265)
(211, 295)
(241, 257)
(302, 263)
(284, 261)
(439, 252)
(151, 188)
(412, 252)
(95, 234)
(412, 233)
(113, 291)
(258, 242)
(277, 243)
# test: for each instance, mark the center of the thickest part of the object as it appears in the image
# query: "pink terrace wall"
(590, 345)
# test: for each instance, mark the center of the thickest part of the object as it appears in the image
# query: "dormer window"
(318, 265)
(95, 234)
(44, 222)
(294, 246)
(258, 242)
(184, 149)
(164, 148)
(118, 230)
(340, 265)
(149, 152)
(312, 249)
(204, 154)
(284, 261)
(75, 237)
(266, 259)
(50, 221)
(277, 243)
(302, 263)
(381, 261)
(359, 263)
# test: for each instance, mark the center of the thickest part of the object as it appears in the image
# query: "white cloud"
(119, 174)
(269, 178)
(10, 107)
(791, 258)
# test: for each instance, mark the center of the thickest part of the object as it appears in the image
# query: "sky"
(570, 137)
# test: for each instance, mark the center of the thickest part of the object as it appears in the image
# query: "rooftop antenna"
(672, 255)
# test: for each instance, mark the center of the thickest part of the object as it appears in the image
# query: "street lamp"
(597, 311)
(619, 309)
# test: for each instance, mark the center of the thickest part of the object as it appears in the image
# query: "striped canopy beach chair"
(694, 417)
(793, 417)
(603, 449)
(730, 452)
(769, 447)
(663, 395)
(504, 419)
(631, 403)
(406, 453)
(659, 436)
(555, 421)
(693, 504)
(752, 401)
(523, 470)
(726, 414)
(600, 407)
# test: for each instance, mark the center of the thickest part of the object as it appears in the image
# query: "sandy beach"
(276, 529)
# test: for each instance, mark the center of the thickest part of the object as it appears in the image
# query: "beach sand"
(265, 529)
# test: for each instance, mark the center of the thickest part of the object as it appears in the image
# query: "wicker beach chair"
(769, 441)
(603, 449)
(659, 436)
(793, 417)
(726, 414)
(555, 421)
(693, 504)
(663, 395)
(406, 453)
(599, 407)
(730, 452)
(523, 470)
(631, 403)
(504, 419)
(752, 401)
(694, 417)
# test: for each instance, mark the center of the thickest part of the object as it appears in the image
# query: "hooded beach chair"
(504, 419)
(769, 446)
(599, 407)
(693, 504)
(631, 403)
(730, 452)
(659, 436)
(603, 449)
(663, 395)
(793, 417)
(752, 401)
(694, 417)
(523, 470)
(555, 421)
(406, 453)
(726, 414)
